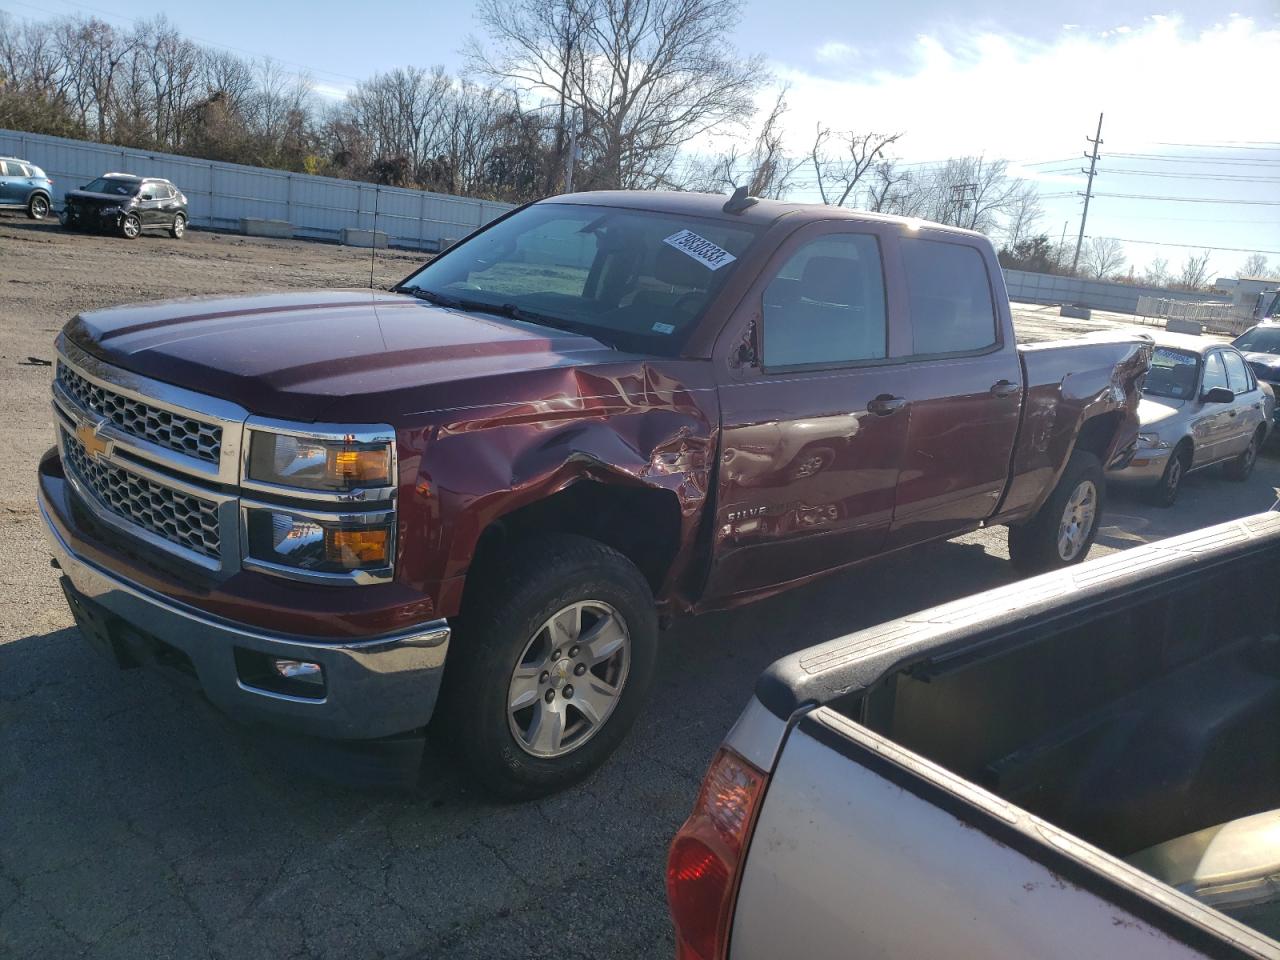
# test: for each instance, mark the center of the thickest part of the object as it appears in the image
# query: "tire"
(1035, 545)
(131, 227)
(505, 693)
(38, 207)
(1165, 492)
(179, 228)
(1242, 466)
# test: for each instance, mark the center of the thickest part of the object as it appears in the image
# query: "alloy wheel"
(1077, 520)
(569, 679)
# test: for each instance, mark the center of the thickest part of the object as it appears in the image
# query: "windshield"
(1258, 340)
(633, 279)
(122, 188)
(1173, 374)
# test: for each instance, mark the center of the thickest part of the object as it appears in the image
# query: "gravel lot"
(137, 822)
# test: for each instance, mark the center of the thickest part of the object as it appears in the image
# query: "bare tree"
(890, 187)
(1023, 215)
(1195, 270)
(839, 174)
(766, 170)
(1102, 257)
(1255, 266)
(638, 79)
(1157, 272)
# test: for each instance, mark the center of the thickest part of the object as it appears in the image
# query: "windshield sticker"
(701, 249)
(663, 328)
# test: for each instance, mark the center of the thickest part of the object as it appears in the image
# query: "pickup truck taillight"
(705, 860)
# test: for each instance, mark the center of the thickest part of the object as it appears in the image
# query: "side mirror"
(1218, 395)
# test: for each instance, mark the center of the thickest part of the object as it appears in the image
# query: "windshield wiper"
(510, 311)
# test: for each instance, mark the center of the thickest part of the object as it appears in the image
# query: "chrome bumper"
(373, 688)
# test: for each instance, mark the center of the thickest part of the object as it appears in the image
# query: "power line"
(1198, 246)
(1237, 145)
(1224, 177)
(1163, 158)
(1140, 196)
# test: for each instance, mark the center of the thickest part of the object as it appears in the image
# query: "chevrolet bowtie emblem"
(94, 445)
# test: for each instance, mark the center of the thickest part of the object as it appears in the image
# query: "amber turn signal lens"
(354, 467)
(361, 546)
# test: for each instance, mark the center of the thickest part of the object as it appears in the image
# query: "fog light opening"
(304, 671)
(264, 673)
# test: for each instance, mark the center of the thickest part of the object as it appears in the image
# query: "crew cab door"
(965, 384)
(813, 418)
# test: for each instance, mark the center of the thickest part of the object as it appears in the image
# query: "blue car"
(24, 186)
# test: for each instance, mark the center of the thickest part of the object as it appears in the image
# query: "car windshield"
(632, 279)
(122, 188)
(1173, 374)
(1258, 340)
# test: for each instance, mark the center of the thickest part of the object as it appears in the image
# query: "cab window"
(826, 305)
(949, 295)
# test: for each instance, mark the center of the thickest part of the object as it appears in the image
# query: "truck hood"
(337, 355)
(1260, 362)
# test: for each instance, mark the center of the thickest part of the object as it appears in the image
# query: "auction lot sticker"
(701, 249)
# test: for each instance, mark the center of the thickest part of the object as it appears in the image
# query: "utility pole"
(962, 195)
(1062, 244)
(570, 156)
(1088, 191)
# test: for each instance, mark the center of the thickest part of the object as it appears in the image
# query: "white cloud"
(835, 52)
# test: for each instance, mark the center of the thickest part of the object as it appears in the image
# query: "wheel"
(1064, 529)
(812, 462)
(549, 665)
(38, 207)
(130, 226)
(1165, 492)
(1242, 466)
(179, 228)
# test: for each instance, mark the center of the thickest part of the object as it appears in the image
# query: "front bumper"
(1144, 469)
(375, 687)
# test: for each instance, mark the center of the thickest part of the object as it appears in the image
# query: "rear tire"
(508, 707)
(1165, 492)
(179, 228)
(38, 207)
(1064, 529)
(1242, 466)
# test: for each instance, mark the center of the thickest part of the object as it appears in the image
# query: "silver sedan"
(1201, 405)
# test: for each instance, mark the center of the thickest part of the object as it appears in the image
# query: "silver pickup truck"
(1084, 764)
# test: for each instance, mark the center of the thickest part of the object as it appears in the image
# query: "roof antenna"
(373, 238)
(739, 201)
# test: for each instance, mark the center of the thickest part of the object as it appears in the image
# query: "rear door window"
(949, 297)
(1237, 372)
(826, 305)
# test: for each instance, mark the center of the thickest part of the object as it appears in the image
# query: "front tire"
(1064, 529)
(130, 227)
(1165, 492)
(38, 207)
(550, 665)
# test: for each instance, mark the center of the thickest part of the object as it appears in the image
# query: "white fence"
(221, 194)
(1214, 315)
(1030, 287)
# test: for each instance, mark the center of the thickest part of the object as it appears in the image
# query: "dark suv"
(125, 204)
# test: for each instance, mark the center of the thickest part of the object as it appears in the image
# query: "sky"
(1188, 90)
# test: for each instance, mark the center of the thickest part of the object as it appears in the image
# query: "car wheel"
(179, 228)
(38, 207)
(1065, 527)
(130, 226)
(549, 666)
(1165, 492)
(1242, 466)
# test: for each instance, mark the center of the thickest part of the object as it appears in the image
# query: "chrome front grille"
(164, 428)
(180, 518)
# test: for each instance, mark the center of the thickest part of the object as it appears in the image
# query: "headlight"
(315, 464)
(1151, 440)
(320, 543)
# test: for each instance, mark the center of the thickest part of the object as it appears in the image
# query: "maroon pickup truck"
(476, 497)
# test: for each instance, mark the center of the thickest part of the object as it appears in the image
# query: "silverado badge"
(95, 446)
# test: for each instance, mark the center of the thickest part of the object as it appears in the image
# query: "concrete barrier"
(1175, 325)
(258, 227)
(353, 237)
(1075, 311)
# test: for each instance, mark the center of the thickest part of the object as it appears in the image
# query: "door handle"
(1004, 388)
(885, 404)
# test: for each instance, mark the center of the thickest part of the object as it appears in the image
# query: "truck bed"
(969, 780)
